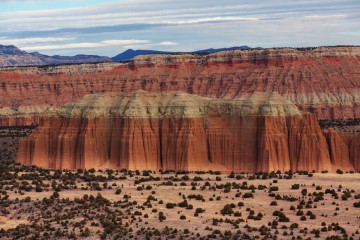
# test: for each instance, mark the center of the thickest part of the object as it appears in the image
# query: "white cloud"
(167, 43)
(124, 42)
(97, 28)
(62, 46)
(105, 43)
(25, 41)
(326, 16)
(213, 19)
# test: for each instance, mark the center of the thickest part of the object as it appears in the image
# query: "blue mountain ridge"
(130, 53)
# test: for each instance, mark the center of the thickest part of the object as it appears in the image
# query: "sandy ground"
(347, 216)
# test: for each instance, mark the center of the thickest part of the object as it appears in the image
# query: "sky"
(108, 27)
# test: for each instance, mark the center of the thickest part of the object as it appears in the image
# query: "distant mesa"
(130, 53)
(13, 56)
(214, 50)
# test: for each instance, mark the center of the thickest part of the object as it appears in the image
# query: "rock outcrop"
(324, 81)
(179, 131)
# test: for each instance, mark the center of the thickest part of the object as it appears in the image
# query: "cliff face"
(179, 131)
(324, 81)
(344, 149)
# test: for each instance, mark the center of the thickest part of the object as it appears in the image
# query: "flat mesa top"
(141, 104)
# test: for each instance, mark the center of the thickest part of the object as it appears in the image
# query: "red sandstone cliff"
(325, 81)
(186, 132)
(344, 149)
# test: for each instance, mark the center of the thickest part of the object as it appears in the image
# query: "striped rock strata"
(323, 81)
(180, 131)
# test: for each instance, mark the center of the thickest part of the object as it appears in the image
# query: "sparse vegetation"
(122, 203)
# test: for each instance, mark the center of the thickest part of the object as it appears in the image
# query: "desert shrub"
(237, 214)
(339, 171)
(197, 178)
(304, 192)
(282, 217)
(161, 216)
(248, 195)
(38, 188)
(55, 195)
(170, 205)
(199, 210)
(299, 213)
(227, 190)
(227, 210)
(183, 204)
(294, 225)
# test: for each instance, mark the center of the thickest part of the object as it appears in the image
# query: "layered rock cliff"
(179, 131)
(324, 81)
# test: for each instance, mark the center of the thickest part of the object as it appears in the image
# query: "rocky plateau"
(241, 110)
(180, 131)
(323, 81)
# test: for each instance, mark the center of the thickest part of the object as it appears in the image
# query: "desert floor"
(86, 206)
